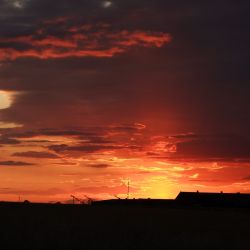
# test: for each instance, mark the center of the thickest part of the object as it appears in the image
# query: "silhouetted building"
(213, 199)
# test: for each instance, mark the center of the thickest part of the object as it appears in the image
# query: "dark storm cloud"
(97, 140)
(70, 37)
(83, 148)
(51, 191)
(38, 155)
(100, 166)
(221, 148)
(103, 139)
(91, 135)
(19, 133)
(121, 189)
(198, 83)
(101, 43)
(15, 163)
(184, 136)
(128, 128)
(8, 141)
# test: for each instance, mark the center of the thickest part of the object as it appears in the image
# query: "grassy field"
(114, 228)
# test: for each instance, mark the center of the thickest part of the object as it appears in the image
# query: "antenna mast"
(128, 194)
(75, 199)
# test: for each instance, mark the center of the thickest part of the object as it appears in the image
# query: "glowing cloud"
(5, 99)
(9, 125)
(18, 4)
(107, 4)
(80, 41)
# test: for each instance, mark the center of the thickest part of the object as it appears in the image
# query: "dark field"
(129, 227)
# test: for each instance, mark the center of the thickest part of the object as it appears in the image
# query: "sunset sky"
(95, 93)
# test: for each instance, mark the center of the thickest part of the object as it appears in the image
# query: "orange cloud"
(12, 54)
(79, 41)
(146, 39)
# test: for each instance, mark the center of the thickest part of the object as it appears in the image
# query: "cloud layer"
(68, 40)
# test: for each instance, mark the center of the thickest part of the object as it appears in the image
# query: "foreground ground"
(114, 228)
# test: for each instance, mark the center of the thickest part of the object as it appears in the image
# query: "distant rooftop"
(227, 199)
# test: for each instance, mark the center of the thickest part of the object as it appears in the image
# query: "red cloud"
(12, 54)
(79, 41)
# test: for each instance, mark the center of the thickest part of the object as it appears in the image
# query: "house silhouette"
(213, 199)
(188, 199)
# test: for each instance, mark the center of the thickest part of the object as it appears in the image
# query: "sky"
(96, 94)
